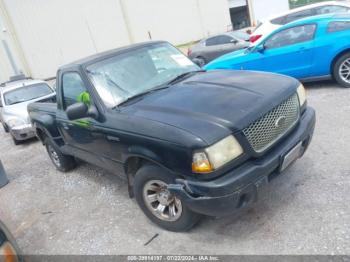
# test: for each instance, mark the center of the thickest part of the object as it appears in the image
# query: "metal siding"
(56, 32)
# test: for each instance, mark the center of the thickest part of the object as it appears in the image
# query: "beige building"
(36, 37)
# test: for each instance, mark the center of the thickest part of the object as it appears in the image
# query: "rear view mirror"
(77, 111)
(80, 110)
(260, 48)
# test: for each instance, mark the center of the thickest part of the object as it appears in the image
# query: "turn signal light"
(7, 253)
(201, 163)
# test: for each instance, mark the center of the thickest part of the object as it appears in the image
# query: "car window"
(225, 39)
(300, 15)
(279, 21)
(291, 36)
(213, 41)
(26, 93)
(74, 90)
(338, 26)
(331, 9)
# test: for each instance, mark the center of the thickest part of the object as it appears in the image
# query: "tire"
(200, 61)
(151, 176)
(342, 68)
(6, 129)
(63, 163)
(15, 141)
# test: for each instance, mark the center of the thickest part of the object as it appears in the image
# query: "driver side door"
(290, 51)
(83, 136)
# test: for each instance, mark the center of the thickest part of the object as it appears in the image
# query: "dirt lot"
(87, 211)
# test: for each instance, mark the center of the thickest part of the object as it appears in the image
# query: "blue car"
(315, 48)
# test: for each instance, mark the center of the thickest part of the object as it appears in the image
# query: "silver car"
(208, 49)
(14, 99)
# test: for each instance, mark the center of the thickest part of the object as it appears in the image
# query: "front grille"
(264, 132)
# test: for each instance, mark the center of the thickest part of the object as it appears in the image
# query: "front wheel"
(341, 70)
(62, 162)
(158, 204)
(6, 129)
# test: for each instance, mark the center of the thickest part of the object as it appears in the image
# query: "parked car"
(9, 250)
(14, 98)
(215, 46)
(273, 23)
(312, 49)
(190, 142)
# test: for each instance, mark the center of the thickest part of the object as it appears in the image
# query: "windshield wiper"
(149, 91)
(182, 76)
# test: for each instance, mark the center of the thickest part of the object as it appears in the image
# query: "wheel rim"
(344, 71)
(161, 202)
(54, 156)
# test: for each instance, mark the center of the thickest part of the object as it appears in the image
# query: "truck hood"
(215, 104)
(20, 110)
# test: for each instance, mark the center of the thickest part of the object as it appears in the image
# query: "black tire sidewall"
(6, 129)
(336, 68)
(66, 162)
(152, 172)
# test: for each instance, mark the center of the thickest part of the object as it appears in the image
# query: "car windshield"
(121, 77)
(26, 93)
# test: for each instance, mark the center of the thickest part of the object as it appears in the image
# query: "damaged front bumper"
(240, 186)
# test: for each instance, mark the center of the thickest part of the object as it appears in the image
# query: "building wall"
(262, 10)
(52, 33)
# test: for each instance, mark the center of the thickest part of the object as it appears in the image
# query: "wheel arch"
(136, 160)
(335, 59)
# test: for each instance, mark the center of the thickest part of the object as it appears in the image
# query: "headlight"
(216, 156)
(301, 94)
(15, 122)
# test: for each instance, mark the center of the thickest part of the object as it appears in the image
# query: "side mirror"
(260, 48)
(81, 110)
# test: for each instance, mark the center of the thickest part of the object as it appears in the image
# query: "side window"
(338, 26)
(331, 9)
(225, 39)
(291, 36)
(300, 15)
(212, 41)
(74, 90)
(1, 101)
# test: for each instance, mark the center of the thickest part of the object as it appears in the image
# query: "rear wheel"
(158, 204)
(341, 70)
(62, 162)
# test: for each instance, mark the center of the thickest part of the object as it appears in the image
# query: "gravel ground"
(87, 211)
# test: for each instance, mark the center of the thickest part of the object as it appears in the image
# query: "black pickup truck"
(190, 142)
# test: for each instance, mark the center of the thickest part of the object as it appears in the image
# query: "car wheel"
(15, 141)
(62, 162)
(341, 70)
(5, 128)
(158, 204)
(200, 61)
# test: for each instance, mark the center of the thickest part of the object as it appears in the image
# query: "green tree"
(299, 3)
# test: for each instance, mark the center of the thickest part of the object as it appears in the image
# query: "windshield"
(126, 75)
(26, 93)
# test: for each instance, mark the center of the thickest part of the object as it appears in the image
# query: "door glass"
(212, 41)
(338, 26)
(225, 39)
(291, 36)
(74, 90)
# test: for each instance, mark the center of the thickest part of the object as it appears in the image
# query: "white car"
(14, 99)
(273, 23)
